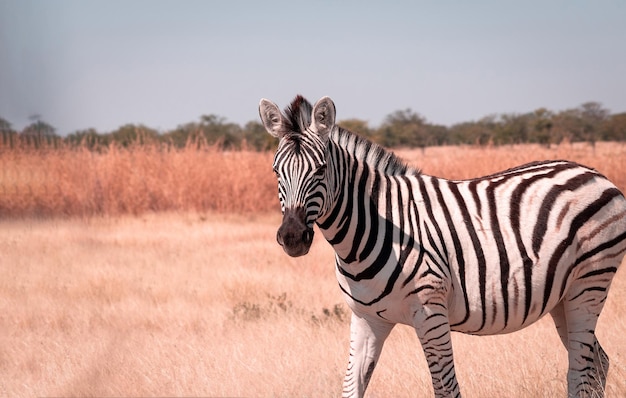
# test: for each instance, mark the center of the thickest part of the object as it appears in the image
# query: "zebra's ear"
(323, 116)
(271, 117)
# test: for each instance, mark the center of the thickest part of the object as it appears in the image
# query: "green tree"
(180, 136)
(476, 133)
(216, 130)
(131, 134)
(614, 127)
(438, 134)
(39, 133)
(403, 128)
(5, 126)
(359, 127)
(211, 129)
(89, 138)
(593, 115)
(255, 136)
(567, 125)
(7, 134)
(513, 128)
(39, 129)
(541, 126)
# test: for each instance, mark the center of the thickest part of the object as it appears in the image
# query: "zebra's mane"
(298, 118)
(372, 154)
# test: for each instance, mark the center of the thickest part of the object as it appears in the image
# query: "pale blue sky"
(102, 64)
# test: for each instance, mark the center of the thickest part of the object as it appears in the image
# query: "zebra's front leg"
(433, 330)
(366, 342)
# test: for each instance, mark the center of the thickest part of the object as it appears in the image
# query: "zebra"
(483, 256)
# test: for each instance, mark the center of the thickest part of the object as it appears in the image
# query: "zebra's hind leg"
(588, 362)
(558, 316)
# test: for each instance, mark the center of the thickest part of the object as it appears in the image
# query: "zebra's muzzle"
(294, 235)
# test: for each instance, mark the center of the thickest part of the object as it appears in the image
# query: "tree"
(614, 128)
(39, 129)
(566, 125)
(5, 126)
(541, 126)
(403, 128)
(181, 135)
(7, 134)
(478, 133)
(131, 134)
(254, 135)
(359, 127)
(216, 131)
(592, 116)
(437, 134)
(89, 138)
(39, 132)
(513, 128)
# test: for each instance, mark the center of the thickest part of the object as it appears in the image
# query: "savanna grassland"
(155, 272)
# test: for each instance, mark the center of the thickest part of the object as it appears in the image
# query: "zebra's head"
(300, 166)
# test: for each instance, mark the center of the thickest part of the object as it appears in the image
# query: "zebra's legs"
(588, 363)
(433, 330)
(366, 342)
(558, 316)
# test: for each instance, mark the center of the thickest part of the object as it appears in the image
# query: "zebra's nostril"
(307, 236)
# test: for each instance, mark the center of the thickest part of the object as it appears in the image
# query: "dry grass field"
(183, 305)
(170, 283)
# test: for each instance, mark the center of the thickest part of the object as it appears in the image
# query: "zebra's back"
(518, 239)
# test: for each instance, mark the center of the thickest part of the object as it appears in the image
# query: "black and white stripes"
(483, 256)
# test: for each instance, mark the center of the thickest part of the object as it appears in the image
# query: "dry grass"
(76, 181)
(194, 303)
(183, 305)
(460, 162)
(141, 179)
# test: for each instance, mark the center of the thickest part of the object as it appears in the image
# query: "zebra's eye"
(320, 171)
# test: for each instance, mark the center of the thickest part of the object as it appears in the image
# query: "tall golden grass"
(461, 162)
(134, 180)
(149, 178)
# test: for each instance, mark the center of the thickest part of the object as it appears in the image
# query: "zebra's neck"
(354, 148)
(358, 171)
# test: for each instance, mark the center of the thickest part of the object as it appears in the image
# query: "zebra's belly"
(400, 307)
(515, 323)
(485, 310)
(506, 304)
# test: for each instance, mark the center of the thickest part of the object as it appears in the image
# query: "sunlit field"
(178, 296)
(188, 305)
